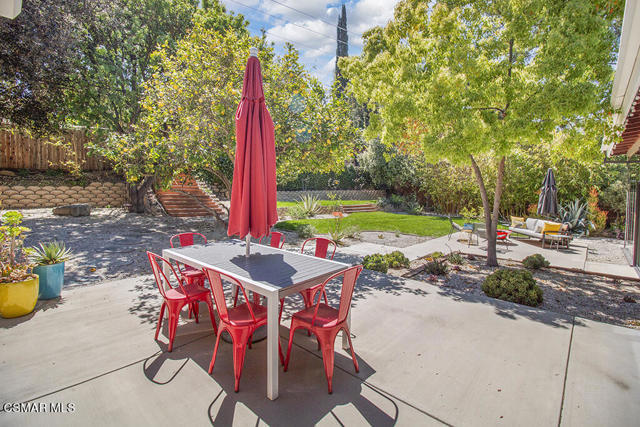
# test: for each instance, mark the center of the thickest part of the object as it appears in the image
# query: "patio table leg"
(165, 268)
(273, 336)
(345, 338)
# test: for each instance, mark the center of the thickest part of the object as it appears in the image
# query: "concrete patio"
(426, 358)
(575, 258)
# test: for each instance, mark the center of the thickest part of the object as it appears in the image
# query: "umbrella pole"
(248, 241)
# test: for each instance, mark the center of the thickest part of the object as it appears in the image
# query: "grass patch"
(329, 203)
(380, 221)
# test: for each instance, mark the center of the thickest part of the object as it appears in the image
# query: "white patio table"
(270, 272)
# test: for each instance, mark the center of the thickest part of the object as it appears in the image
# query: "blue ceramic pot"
(51, 280)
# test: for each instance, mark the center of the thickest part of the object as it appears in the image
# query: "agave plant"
(51, 253)
(575, 215)
(310, 205)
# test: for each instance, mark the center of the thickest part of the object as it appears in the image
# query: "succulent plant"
(51, 253)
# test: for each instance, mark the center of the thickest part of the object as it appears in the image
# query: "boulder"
(7, 173)
(80, 209)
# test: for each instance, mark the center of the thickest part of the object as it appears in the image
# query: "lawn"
(329, 203)
(432, 226)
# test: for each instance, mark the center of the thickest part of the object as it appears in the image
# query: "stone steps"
(366, 207)
(186, 199)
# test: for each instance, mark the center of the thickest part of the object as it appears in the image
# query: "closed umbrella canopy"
(253, 209)
(548, 200)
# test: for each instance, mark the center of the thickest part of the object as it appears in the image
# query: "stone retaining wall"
(97, 194)
(294, 196)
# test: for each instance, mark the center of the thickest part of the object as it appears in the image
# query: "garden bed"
(576, 294)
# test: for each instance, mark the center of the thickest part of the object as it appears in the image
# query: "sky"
(310, 25)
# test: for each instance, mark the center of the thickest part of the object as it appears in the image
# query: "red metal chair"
(190, 274)
(239, 321)
(325, 322)
(321, 250)
(176, 298)
(277, 240)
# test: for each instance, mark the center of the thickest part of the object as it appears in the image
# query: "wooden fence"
(19, 151)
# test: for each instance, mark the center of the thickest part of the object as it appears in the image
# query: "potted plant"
(49, 259)
(18, 284)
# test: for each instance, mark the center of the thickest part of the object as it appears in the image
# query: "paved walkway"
(576, 257)
(426, 358)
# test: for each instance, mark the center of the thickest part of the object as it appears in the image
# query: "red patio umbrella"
(253, 209)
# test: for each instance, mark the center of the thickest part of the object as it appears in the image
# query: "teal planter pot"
(51, 280)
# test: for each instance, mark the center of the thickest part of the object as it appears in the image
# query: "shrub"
(437, 267)
(435, 255)
(513, 285)
(455, 258)
(304, 231)
(396, 201)
(412, 206)
(375, 262)
(535, 262)
(396, 259)
(597, 216)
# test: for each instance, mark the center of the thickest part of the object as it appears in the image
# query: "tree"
(116, 59)
(465, 78)
(37, 51)
(342, 50)
(187, 117)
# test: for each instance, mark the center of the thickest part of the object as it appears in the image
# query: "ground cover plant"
(513, 285)
(535, 262)
(380, 221)
(375, 262)
(438, 267)
(397, 259)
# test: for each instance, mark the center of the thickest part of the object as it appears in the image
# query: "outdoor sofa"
(540, 229)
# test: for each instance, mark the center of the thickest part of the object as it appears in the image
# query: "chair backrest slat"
(349, 279)
(277, 240)
(215, 280)
(158, 273)
(322, 247)
(186, 239)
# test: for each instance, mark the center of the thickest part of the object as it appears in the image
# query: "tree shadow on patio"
(509, 310)
(303, 389)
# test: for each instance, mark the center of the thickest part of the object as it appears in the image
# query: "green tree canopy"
(37, 51)
(116, 53)
(188, 112)
(464, 78)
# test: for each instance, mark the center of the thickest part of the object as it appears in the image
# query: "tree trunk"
(137, 194)
(491, 214)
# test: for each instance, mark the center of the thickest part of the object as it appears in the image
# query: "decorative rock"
(7, 173)
(81, 209)
(629, 298)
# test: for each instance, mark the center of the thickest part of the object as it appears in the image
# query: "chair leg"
(353, 354)
(235, 296)
(239, 350)
(173, 325)
(212, 315)
(294, 326)
(196, 310)
(328, 356)
(215, 351)
(162, 307)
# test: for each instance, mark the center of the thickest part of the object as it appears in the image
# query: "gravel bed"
(111, 244)
(605, 249)
(576, 294)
